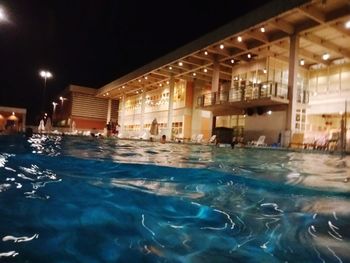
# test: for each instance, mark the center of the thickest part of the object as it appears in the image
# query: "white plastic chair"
(212, 139)
(260, 141)
(193, 138)
(199, 138)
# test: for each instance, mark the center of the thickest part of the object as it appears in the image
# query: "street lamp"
(62, 99)
(54, 104)
(3, 16)
(45, 75)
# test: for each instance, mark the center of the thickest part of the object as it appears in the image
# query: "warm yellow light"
(167, 82)
(123, 87)
(249, 55)
(205, 70)
(13, 113)
(347, 24)
(206, 53)
(139, 80)
(302, 62)
(222, 46)
(107, 93)
(232, 61)
(262, 29)
(180, 64)
(239, 39)
(170, 68)
(160, 84)
(194, 74)
(325, 56)
(264, 70)
(146, 77)
(269, 112)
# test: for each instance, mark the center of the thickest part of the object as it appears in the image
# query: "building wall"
(268, 125)
(17, 116)
(88, 123)
(156, 105)
(88, 106)
(201, 120)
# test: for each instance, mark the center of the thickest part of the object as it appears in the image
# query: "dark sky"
(92, 42)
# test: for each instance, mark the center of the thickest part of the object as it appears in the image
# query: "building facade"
(78, 108)
(12, 119)
(280, 70)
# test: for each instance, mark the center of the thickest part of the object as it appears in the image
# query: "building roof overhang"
(319, 24)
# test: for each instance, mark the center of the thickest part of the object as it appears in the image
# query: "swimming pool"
(74, 199)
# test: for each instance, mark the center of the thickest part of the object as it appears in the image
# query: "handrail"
(250, 92)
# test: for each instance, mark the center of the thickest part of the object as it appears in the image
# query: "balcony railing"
(248, 93)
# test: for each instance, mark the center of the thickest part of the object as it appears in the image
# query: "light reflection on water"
(96, 200)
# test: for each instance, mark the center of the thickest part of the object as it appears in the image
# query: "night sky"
(93, 42)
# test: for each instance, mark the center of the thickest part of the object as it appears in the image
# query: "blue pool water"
(73, 199)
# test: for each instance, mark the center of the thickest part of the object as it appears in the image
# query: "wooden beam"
(313, 13)
(305, 54)
(236, 44)
(223, 52)
(262, 37)
(339, 26)
(280, 24)
(327, 44)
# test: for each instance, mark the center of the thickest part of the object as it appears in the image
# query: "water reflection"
(142, 201)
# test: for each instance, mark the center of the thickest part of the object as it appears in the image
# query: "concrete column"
(216, 75)
(109, 110)
(143, 104)
(292, 88)
(170, 108)
(122, 114)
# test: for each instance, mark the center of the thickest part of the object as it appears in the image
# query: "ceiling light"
(137, 92)
(170, 68)
(107, 95)
(347, 24)
(167, 82)
(302, 62)
(205, 70)
(123, 87)
(232, 61)
(249, 55)
(160, 84)
(269, 112)
(222, 46)
(206, 53)
(239, 39)
(146, 77)
(194, 74)
(325, 56)
(264, 70)
(139, 80)
(180, 64)
(262, 29)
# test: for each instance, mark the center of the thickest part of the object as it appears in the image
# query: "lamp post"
(54, 104)
(45, 75)
(62, 99)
